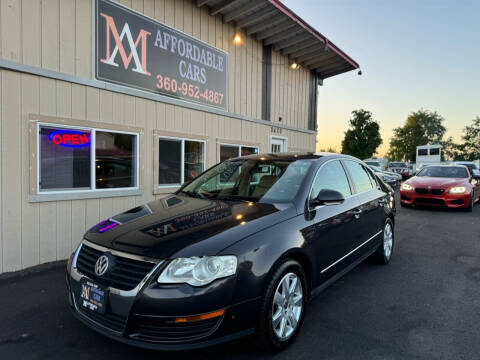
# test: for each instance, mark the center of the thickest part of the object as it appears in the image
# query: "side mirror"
(327, 197)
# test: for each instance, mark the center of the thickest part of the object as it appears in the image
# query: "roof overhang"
(276, 25)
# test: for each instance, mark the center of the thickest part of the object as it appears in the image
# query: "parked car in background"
(442, 185)
(399, 168)
(236, 251)
(471, 167)
(392, 179)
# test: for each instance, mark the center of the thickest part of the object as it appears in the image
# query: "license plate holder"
(92, 296)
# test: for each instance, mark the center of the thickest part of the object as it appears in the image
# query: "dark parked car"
(238, 250)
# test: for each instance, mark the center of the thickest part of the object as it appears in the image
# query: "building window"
(228, 151)
(86, 159)
(422, 152)
(179, 160)
(435, 151)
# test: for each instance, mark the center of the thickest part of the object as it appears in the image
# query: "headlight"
(198, 271)
(407, 187)
(457, 190)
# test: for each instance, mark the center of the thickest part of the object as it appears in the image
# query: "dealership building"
(107, 105)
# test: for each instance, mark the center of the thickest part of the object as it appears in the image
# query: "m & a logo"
(140, 61)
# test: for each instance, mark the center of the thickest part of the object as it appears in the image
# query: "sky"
(413, 54)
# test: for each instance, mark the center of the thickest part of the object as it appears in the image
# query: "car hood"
(440, 182)
(185, 226)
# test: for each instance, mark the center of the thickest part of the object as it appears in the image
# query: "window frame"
(93, 148)
(33, 123)
(157, 136)
(369, 174)
(353, 190)
(240, 146)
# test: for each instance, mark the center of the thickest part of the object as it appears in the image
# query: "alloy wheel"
(287, 306)
(387, 240)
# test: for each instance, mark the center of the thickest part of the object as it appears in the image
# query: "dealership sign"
(136, 51)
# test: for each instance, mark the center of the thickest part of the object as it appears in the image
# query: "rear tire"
(385, 250)
(282, 311)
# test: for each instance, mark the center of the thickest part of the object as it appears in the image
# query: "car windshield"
(251, 180)
(375, 168)
(397, 164)
(373, 163)
(444, 171)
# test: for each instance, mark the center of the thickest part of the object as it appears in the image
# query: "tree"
(363, 137)
(471, 138)
(421, 128)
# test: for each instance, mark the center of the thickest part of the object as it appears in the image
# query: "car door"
(331, 227)
(370, 200)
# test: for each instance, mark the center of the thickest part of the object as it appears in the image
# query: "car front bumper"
(145, 316)
(446, 199)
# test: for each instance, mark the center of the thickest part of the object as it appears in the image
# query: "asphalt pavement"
(424, 305)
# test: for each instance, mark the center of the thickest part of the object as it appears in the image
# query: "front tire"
(283, 307)
(385, 250)
(470, 204)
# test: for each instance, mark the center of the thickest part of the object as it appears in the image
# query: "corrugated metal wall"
(57, 35)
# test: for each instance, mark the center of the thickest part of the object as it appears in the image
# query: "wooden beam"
(265, 24)
(221, 6)
(272, 37)
(256, 17)
(200, 3)
(242, 10)
(292, 41)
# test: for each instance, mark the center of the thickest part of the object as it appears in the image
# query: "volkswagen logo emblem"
(101, 266)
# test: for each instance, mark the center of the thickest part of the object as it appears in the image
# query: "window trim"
(347, 175)
(34, 123)
(221, 142)
(157, 135)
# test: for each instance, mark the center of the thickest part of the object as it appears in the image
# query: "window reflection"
(194, 162)
(115, 160)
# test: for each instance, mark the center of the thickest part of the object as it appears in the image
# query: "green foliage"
(363, 137)
(422, 127)
(471, 138)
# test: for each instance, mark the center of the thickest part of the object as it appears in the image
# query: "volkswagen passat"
(238, 250)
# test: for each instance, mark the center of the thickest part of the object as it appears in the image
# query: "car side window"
(331, 176)
(373, 180)
(360, 176)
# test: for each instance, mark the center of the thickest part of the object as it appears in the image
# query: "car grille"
(111, 321)
(431, 201)
(164, 329)
(431, 191)
(126, 273)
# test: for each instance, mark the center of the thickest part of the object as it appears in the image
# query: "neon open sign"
(70, 138)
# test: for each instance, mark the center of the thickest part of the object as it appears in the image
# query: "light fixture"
(237, 39)
(294, 65)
